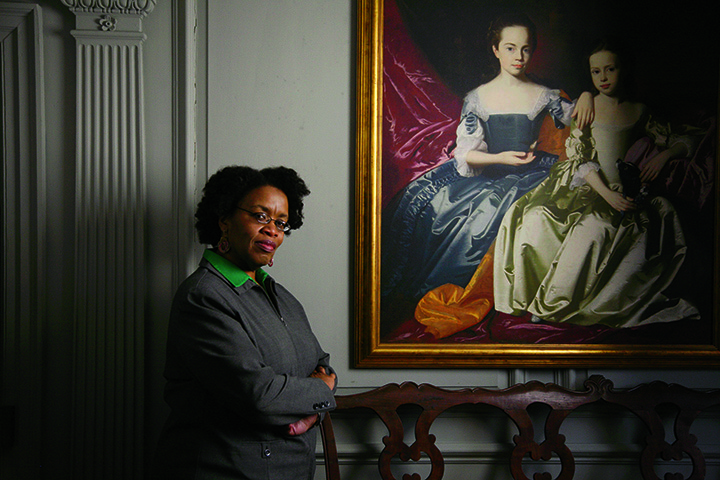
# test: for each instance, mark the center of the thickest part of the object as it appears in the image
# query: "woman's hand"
(302, 425)
(618, 201)
(584, 112)
(322, 375)
(305, 424)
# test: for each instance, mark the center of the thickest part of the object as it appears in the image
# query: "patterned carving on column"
(107, 411)
(130, 7)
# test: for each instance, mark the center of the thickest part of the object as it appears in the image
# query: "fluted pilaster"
(110, 260)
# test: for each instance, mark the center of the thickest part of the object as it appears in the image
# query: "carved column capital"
(131, 7)
(102, 20)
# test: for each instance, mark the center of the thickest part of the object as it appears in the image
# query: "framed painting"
(461, 261)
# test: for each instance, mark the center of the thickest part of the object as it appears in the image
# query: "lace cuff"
(578, 179)
(470, 136)
(466, 170)
(691, 143)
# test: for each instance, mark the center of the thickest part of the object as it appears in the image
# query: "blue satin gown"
(438, 229)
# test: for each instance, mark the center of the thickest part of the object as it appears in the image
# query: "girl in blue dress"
(437, 230)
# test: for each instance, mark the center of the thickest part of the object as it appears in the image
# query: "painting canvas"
(429, 235)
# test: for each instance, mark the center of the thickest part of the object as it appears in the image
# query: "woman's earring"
(224, 244)
(270, 263)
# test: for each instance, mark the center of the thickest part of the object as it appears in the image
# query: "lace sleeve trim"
(470, 134)
(558, 107)
(665, 136)
(578, 179)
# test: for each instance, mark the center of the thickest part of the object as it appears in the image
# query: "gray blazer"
(237, 370)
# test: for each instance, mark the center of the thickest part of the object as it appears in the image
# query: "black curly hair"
(229, 185)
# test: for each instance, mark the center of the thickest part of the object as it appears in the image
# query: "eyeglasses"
(264, 218)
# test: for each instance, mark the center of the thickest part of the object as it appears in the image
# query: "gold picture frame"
(372, 350)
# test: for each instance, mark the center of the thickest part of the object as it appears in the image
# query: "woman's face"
(253, 244)
(605, 72)
(513, 50)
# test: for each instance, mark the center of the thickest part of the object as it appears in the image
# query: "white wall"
(281, 92)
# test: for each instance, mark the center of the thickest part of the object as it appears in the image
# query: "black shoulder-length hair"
(227, 187)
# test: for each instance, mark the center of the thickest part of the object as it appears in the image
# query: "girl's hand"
(515, 158)
(584, 112)
(618, 201)
(302, 425)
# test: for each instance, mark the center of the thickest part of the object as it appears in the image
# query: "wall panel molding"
(23, 238)
(185, 137)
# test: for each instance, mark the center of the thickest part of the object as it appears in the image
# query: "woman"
(441, 225)
(576, 249)
(246, 377)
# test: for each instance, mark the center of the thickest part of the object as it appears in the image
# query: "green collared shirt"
(231, 272)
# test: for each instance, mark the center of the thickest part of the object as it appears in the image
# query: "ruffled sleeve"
(666, 136)
(580, 147)
(559, 108)
(470, 136)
